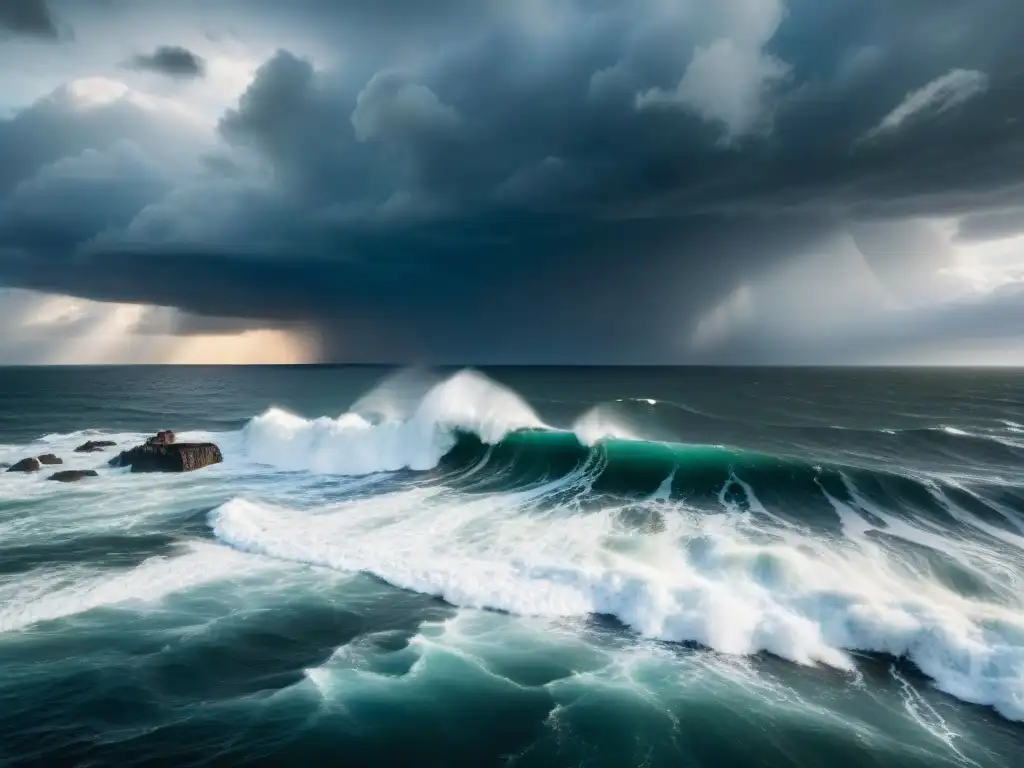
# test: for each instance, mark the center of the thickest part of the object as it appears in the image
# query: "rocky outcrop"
(26, 465)
(172, 457)
(94, 446)
(164, 437)
(159, 453)
(73, 475)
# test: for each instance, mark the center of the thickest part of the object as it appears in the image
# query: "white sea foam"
(408, 423)
(801, 596)
(927, 717)
(1009, 442)
(64, 445)
(664, 490)
(56, 594)
(409, 437)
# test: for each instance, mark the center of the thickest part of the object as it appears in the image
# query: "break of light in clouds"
(554, 181)
(46, 329)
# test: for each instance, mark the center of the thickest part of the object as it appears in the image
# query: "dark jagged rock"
(49, 459)
(175, 457)
(94, 446)
(163, 437)
(73, 475)
(26, 465)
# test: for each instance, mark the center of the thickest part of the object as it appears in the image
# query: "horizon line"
(777, 366)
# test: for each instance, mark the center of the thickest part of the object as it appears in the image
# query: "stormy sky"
(481, 181)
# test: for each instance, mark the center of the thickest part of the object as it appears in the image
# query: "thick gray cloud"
(544, 181)
(79, 117)
(27, 17)
(170, 60)
(992, 225)
(979, 330)
(53, 211)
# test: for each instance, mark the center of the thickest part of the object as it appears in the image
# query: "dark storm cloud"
(170, 60)
(27, 17)
(168, 321)
(992, 225)
(65, 202)
(550, 181)
(422, 294)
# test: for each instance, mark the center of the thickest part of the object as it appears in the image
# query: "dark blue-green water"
(522, 567)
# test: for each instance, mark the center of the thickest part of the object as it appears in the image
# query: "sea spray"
(352, 444)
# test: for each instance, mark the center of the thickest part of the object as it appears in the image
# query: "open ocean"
(518, 567)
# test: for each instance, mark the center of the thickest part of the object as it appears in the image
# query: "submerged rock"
(26, 465)
(73, 475)
(163, 437)
(173, 457)
(94, 446)
(49, 459)
(648, 522)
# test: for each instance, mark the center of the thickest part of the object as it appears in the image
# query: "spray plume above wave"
(407, 422)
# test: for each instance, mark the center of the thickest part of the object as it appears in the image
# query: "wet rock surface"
(73, 475)
(94, 446)
(157, 455)
(26, 465)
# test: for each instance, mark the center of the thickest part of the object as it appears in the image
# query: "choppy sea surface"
(516, 566)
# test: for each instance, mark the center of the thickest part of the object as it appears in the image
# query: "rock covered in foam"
(49, 459)
(26, 465)
(72, 475)
(94, 446)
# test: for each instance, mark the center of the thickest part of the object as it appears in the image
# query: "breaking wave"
(736, 584)
(384, 434)
(739, 551)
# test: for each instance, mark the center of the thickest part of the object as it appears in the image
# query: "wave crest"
(389, 433)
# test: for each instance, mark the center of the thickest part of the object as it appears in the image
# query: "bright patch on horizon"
(989, 265)
(56, 329)
(256, 347)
